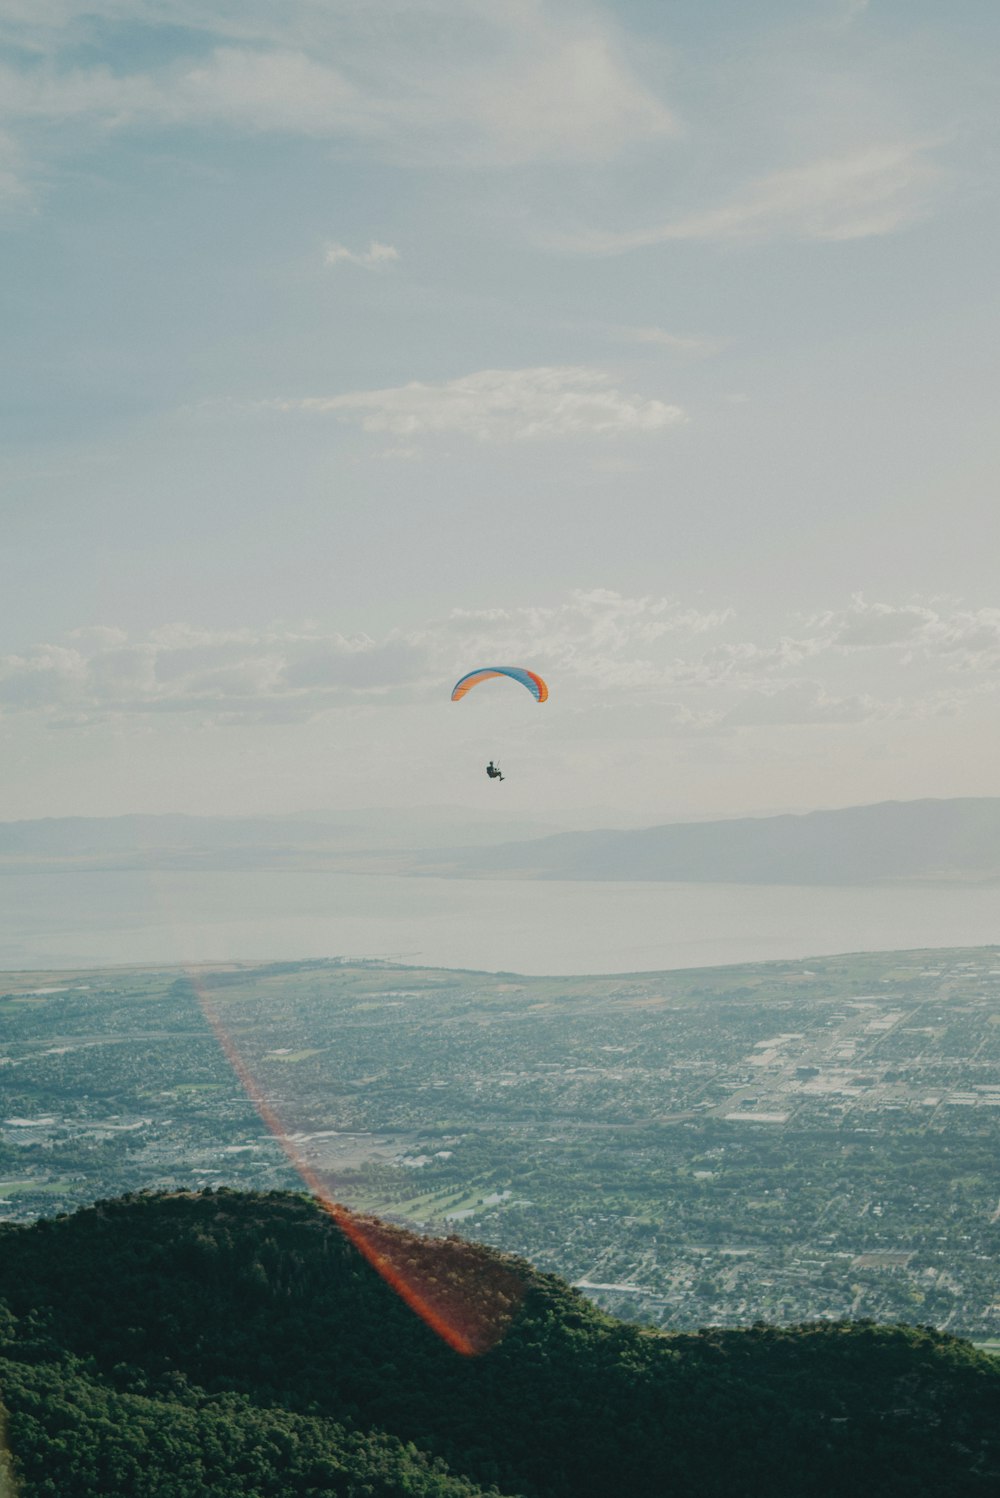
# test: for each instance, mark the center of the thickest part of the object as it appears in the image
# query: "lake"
(55, 920)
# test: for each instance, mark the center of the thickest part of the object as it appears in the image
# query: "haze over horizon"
(349, 348)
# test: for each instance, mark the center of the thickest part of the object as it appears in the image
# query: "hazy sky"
(350, 344)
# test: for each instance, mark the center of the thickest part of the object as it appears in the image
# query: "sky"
(352, 344)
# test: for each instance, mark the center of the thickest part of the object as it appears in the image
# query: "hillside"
(888, 842)
(236, 1344)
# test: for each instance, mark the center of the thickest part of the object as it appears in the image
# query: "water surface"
(108, 919)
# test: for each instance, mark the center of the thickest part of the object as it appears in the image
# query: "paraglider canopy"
(530, 679)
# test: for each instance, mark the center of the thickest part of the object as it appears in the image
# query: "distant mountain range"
(891, 842)
(308, 839)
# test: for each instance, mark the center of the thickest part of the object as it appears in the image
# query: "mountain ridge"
(928, 840)
(152, 1343)
(888, 841)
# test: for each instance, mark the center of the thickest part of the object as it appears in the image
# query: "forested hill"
(237, 1344)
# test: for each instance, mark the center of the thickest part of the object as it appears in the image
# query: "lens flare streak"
(462, 1292)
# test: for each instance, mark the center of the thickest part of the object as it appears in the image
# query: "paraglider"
(530, 679)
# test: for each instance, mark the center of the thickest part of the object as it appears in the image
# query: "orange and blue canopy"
(529, 679)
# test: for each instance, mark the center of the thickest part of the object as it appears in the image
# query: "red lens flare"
(460, 1290)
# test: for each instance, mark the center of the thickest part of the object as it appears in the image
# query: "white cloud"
(871, 625)
(801, 702)
(275, 91)
(745, 662)
(572, 94)
(448, 80)
(376, 255)
(924, 645)
(962, 639)
(681, 343)
(597, 647)
(280, 673)
(868, 192)
(596, 639)
(44, 677)
(967, 640)
(500, 405)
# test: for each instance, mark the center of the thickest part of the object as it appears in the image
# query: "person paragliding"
(530, 679)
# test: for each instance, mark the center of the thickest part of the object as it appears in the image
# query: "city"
(779, 1142)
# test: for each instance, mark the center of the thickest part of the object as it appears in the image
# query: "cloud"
(575, 95)
(285, 674)
(376, 255)
(44, 677)
(924, 637)
(595, 640)
(745, 662)
(598, 648)
(869, 192)
(802, 702)
(971, 637)
(681, 343)
(868, 626)
(365, 668)
(441, 80)
(963, 639)
(276, 91)
(500, 405)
